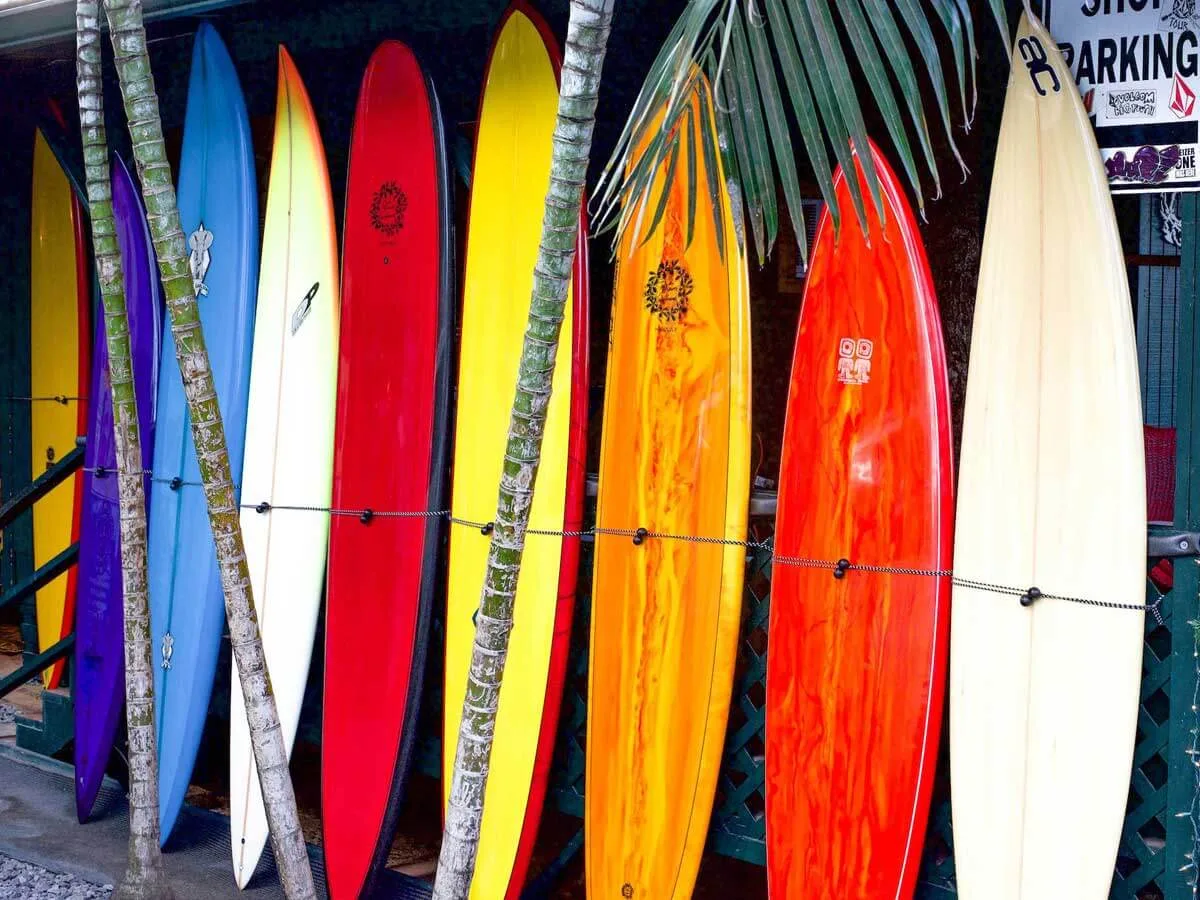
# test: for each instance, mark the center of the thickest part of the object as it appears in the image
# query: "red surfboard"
(856, 672)
(390, 442)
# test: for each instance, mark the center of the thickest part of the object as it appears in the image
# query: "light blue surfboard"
(218, 205)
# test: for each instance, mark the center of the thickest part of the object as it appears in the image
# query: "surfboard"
(675, 460)
(289, 438)
(218, 207)
(98, 690)
(394, 371)
(1044, 697)
(857, 663)
(508, 191)
(60, 353)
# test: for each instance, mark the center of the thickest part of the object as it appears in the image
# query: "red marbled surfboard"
(856, 668)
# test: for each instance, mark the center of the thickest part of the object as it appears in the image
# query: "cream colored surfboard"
(1044, 698)
(289, 440)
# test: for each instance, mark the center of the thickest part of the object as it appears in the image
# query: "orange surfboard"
(666, 613)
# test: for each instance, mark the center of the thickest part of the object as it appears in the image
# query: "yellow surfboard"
(59, 338)
(675, 460)
(512, 172)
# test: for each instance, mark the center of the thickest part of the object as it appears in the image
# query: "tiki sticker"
(388, 208)
(854, 360)
(668, 290)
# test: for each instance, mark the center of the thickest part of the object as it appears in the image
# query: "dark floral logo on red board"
(668, 290)
(388, 208)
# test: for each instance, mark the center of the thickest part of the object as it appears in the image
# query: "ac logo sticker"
(1036, 62)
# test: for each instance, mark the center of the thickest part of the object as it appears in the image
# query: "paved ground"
(25, 700)
(38, 827)
(24, 881)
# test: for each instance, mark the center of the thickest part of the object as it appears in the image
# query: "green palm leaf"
(864, 45)
(768, 85)
(947, 11)
(829, 73)
(750, 136)
(781, 77)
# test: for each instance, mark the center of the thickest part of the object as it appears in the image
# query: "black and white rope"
(61, 399)
(838, 568)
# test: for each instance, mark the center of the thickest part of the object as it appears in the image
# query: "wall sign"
(1137, 63)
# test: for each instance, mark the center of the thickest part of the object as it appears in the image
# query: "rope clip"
(488, 528)
(842, 567)
(640, 536)
(1031, 595)
(263, 507)
(367, 516)
(176, 483)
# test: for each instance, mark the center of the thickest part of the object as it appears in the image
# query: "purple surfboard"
(99, 676)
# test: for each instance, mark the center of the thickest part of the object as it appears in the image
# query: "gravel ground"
(22, 881)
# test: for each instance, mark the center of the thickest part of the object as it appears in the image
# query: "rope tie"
(840, 569)
(62, 399)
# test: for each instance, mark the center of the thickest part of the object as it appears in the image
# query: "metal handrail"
(43, 660)
(42, 485)
(9, 512)
(38, 579)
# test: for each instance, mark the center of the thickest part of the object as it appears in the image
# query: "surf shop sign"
(1137, 63)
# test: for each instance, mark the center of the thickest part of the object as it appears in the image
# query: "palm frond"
(863, 42)
(829, 73)
(768, 86)
(744, 111)
(947, 11)
(781, 69)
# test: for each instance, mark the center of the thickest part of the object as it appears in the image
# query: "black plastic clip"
(101, 472)
(842, 567)
(367, 516)
(263, 507)
(1028, 598)
(176, 483)
(640, 536)
(488, 528)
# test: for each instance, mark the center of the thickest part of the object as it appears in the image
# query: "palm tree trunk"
(587, 38)
(266, 737)
(144, 877)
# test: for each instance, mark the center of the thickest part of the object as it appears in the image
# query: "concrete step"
(55, 728)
